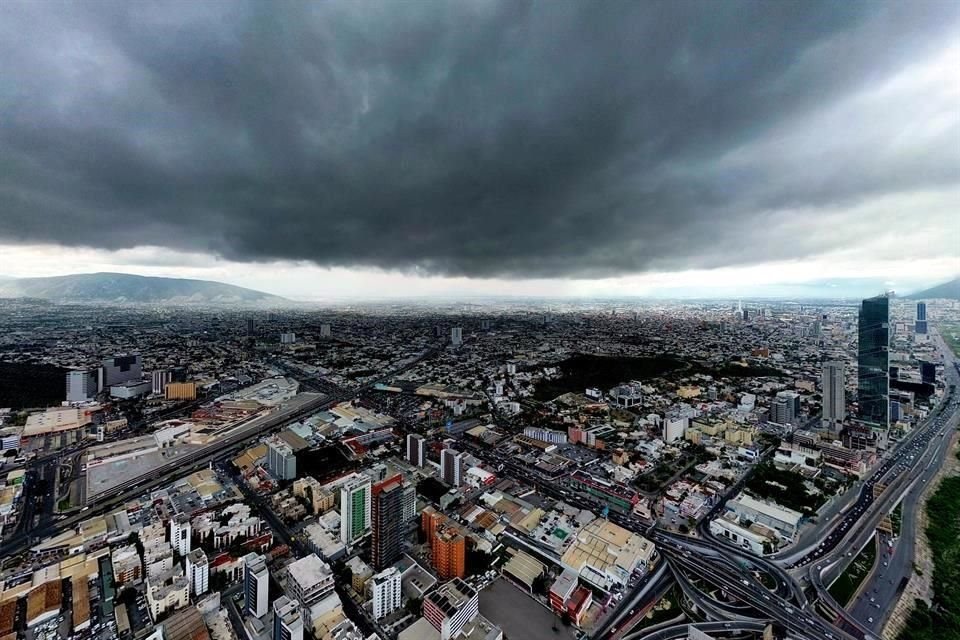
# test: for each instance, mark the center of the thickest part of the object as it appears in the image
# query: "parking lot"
(519, 615)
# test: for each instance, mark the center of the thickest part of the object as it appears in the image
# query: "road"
(912, 466)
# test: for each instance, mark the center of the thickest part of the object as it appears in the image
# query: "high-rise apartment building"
(921, 324)
(451, 467)
(256, 585)
(311, 580)
(325, 330)
(873, 361)
(287, 619)
(387, 594)
(409, 502)
(833, 391)
(448, 546)
(198, 572)
(451, 607)
(456, 336)
(180, 532)
(387, 522)
(354, 508)
(416, 449)
(81, 386)
(281, 460)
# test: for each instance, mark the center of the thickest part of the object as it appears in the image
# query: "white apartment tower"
(180, 534)
(387, 596)
(287, 620)
(256, 585)
(355, 508)
(198, 572)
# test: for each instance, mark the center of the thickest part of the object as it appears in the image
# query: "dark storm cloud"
(475, 138)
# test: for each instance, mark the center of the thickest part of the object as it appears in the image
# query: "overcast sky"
(332, 148)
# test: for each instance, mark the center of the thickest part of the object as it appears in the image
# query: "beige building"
(181, 390)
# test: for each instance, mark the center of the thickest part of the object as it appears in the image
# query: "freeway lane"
(680, 631)
(799, 622)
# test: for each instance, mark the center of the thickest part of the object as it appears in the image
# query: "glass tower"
(873, 361)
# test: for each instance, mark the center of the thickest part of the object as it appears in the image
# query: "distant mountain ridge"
(124, 288)
(949, 290)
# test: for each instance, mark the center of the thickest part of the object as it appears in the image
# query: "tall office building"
(387, 522)
(325, 330)
(873, 361)
(785, 408)
(287, 619)
(451, 463)
(921, 324)
(833, 391)
(256, 585)
(387, 594)
(251, 327)
(120, 369)
(416, 449)
(354, 508)
(81, 385)
(456, 336)
(198, 572)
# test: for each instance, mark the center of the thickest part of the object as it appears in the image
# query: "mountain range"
(123, 288)
(949, 290)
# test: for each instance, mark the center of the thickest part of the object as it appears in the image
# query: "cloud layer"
(480, 139)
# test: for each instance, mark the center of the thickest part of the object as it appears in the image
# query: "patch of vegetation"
(785, 487)
(582, 371)
(896, 517)
(950, 331)
(848, 582)
(666, 609)
(24, 385)
(943, 531)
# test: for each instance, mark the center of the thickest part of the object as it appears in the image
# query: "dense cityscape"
(599, 470)
(479, 320)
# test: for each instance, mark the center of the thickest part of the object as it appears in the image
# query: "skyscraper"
(873, 361)
(456, 336)
(256, 584)
(833, 392)
(354, 508)
(416, 449)
(921, 324)
(387, 521)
